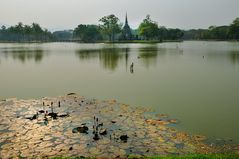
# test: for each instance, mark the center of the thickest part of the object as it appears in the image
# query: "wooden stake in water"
(52, 107)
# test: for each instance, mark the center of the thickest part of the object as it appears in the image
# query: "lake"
(195, 82)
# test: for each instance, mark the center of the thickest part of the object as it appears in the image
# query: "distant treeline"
(111, 29)
(230, 32)
(26, 33)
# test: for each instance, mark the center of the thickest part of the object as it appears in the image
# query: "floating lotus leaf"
(156, 122)
(199, 137)
(94, 151)
(181, 136)
(3, 127)
(174, 121)
(153, 134)
(121, 152)
(60, 146)
(25, 153)
(69, 141)
(161, 139)
(114, 149)
(162, 115)
(7, 146)
(47, 150)
(112, 101)
(79, 147)
(46, 144)
(52, 153)
(104, 141)
(47, 138)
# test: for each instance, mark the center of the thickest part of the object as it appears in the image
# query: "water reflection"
(109, 57)
(87, 54)
(234, 57)
(24, 54)
(148, 55)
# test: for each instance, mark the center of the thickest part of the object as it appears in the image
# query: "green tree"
(110, 26)
(234, 29)
(174, 34)
(22, 32)
(3, 28)
(162, 33)
(148, 29)
(87, 33)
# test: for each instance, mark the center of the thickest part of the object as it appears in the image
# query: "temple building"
(126, 32)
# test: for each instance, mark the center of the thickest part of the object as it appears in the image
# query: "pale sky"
(67, 14)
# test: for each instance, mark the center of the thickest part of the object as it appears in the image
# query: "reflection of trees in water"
(24, 54)
(148, 55)
(109, 57)
(87, 54)
(234, 56)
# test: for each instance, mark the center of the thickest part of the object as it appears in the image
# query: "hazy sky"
(67, 14)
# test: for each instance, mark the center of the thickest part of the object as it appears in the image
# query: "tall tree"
(148, 29)
(234, 29)
(87, 33)
(110, 26)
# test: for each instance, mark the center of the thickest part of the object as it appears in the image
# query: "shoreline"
(105, 42)
(78, 126)
(116, 42)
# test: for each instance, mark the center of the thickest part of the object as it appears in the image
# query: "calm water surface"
(195, 82)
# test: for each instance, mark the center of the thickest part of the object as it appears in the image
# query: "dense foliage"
(24, 33)
(110, 26)
(63, 35)
(230, 32)
(87, 33)
(148, 29)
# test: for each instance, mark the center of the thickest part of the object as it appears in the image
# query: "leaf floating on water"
(173, 121)
(113, 121)
(162, 115)
(81, 129)
(94, 151)
(103, 131)
(124, 138)
(156, 122)
(74, 130)
(69, 94)
(104, 141)
(199, 137)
